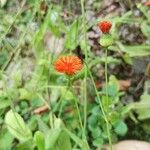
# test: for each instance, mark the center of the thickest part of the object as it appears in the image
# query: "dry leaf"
(41, 109)
(124, 84)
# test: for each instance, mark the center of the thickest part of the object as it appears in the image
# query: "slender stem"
(96, 91)
(14, 20)
(61, 98)
(106, 78)
(78, 111)
(45, 101)
(69, 87)
(80, 119)
(17, 49)
(85, 73)
(102, 109)
(107, 98)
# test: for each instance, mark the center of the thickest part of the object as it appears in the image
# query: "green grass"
(78, 114)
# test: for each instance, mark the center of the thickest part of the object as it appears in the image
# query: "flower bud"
(106, 40)
(105, 26)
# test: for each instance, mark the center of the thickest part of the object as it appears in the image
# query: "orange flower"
(147, 3)
(69, 65)
(105, 26)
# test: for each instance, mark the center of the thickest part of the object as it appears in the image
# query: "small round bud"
(106, 40)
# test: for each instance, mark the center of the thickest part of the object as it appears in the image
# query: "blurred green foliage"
(28, 79)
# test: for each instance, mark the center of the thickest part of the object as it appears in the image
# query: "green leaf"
(112, 90)
(132, 51)
(72, 35)
(4, 103)
(146, 126)
(39, 140)
(98, 141)
(38, 38)
(3, 58)
(42, 125)
(25, 146)
(75, 138)
(114, 82)
(127, 59)
(96, 132)
(145, 29)
(25, 94)
(53, 135)
(121, 128)
(126, 109)
(17, 126)
(17, 77)
(6, 139)
(55, 93)
(143, 107)
(68, 95)
(144, 10)
(57, 136)
(92, 122)
(97, 60)
(64, 141)
(114, 117)
(55, 23)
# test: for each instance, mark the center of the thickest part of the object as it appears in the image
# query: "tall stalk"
(80, 119)
(102, 109)
(107, 98)
(85, 73)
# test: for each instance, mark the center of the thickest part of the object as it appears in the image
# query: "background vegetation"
(37, 109)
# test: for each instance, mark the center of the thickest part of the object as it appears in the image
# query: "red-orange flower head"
(105, 26)
(69, 65)
(147, 3)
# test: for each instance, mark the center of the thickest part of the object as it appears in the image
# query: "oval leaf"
(39, 140)
(17, 126)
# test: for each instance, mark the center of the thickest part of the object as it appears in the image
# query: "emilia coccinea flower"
(147, 3)
(106, 38)
(105, 26)
(69, 65)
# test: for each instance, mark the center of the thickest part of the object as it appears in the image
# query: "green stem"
(107, 98)
(102, 109)
(61, 98)
(77, 107)
(69, 87)
(14, 20)
(106, 78)
(85, 73)
(80, 119)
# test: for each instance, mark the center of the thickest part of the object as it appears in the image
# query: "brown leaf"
(147, 72)
(43, 7)
(41, 109)
(124, 84)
